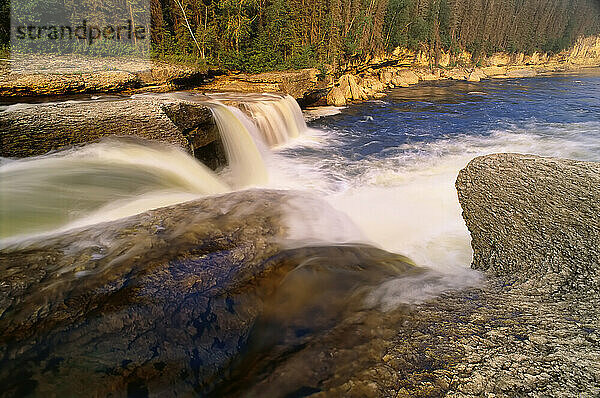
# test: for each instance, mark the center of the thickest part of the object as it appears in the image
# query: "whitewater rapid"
(400, 198)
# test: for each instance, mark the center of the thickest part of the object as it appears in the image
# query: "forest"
(258, 35)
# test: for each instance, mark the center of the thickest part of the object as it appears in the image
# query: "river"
(380, 173)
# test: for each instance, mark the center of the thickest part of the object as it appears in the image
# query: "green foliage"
(260, 35)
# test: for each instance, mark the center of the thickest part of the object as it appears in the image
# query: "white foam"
(314, 113)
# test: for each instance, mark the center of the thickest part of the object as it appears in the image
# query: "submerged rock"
(534, 220)
(173, 301)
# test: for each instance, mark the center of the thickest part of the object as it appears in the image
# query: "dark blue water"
(450, 109)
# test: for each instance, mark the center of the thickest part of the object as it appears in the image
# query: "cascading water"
(96, 183)
(121, 177)
(279, 118)
(236, 130)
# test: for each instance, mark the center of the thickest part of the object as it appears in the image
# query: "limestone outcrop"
(534, 220)
(404, 68)
(35, 129)
(55, 75)
(586, 51)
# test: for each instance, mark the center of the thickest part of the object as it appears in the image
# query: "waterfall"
(116, 178)
(99, 182)
(278, 118)
(236, 129)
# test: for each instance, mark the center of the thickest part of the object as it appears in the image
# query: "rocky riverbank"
(361, 81)
(405, 68)
(61, 75)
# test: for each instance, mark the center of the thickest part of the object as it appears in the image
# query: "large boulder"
(336, 97)
(386, 75)
(534, 220)
(371, 85)
(355, 89)
(476, 75)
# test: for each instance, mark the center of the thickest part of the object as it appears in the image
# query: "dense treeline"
(257, 35)
(266, 34)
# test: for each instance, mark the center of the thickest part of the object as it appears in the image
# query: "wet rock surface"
(495, 340)
(166, 301)
(35, 129)
(157, 302)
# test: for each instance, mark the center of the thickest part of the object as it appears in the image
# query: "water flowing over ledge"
(117, 178)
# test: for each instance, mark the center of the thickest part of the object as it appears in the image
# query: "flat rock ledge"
(534, 220)
(69, 75)
(35, 129)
